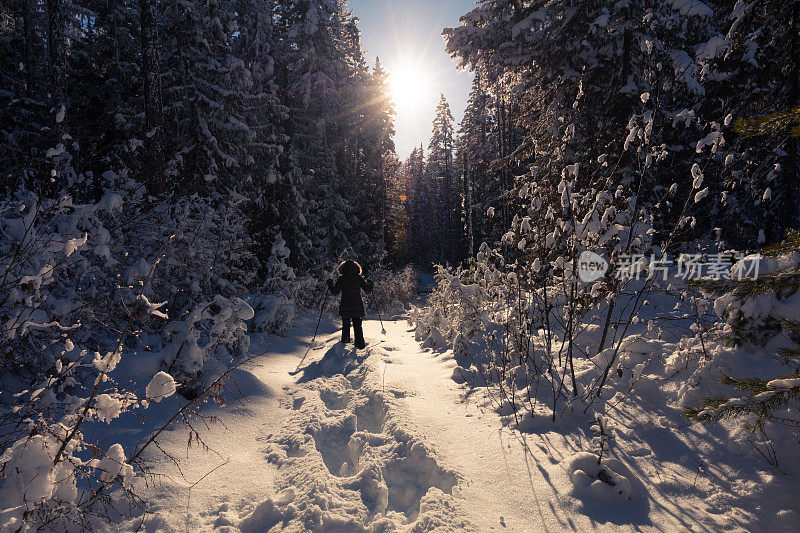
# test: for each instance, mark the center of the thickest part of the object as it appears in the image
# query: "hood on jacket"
(349, 268)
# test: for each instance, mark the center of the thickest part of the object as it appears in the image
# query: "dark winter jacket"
(350, 284)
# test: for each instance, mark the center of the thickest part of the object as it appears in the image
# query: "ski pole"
(322, 309)
(383, 330)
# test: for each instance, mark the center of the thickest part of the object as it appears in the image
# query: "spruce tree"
(477, 150)
(380, 123)
(444, 185)
(422, 219)
(207, 85)
(752, 63)
(761, 400)
(151, 95)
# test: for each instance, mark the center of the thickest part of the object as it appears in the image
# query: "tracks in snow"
(349, 459)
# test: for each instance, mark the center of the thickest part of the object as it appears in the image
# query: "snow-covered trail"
(504, 486)
(342, 446)
(510, 481)
(380, 440)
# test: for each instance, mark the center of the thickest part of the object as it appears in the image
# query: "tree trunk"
(468, 200)
(58, 66)
(30, 17)
(792, 175)
(505, 217)
(152, 96)
(448, 205)
(384, 193)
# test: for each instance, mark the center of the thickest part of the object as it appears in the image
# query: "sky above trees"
(406, 35)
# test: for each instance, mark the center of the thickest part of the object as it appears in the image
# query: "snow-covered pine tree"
(360, 155)
(324, 82)
(397, 222)
(379, 119)
(104, 96)
(275, 304)
(61, 158)
(422, 197)
(759, 401)
(24, 105)
(151, 96)
(56, 48)
(590, 82)
(477, 150)
(749, 61)
(273, 203)
(204, 90)
(443, 181)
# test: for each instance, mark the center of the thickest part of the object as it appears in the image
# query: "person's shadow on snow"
(339, 359)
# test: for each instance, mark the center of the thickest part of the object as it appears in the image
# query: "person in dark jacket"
(351, 308)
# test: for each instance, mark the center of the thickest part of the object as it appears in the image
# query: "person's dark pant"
(357, 331)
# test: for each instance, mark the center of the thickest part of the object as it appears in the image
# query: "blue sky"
(406, 35)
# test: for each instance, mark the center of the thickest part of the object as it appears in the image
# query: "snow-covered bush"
(199, 347)
(274, 313)
(394, 289)
(207, 250)
(532, 315)
(55, 475)
(457, 311)
(85, 290)
(47, 246)
(275, 304)
(49, 250)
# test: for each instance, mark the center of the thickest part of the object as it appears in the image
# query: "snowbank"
(594, 480)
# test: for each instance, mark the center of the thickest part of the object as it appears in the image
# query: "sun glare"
(409, 87)
(412, 87)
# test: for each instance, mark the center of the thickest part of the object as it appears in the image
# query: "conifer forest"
(566, 236)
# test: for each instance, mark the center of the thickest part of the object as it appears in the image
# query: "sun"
(409, 87)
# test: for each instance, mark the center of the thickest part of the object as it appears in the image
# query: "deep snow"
(384, 439)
